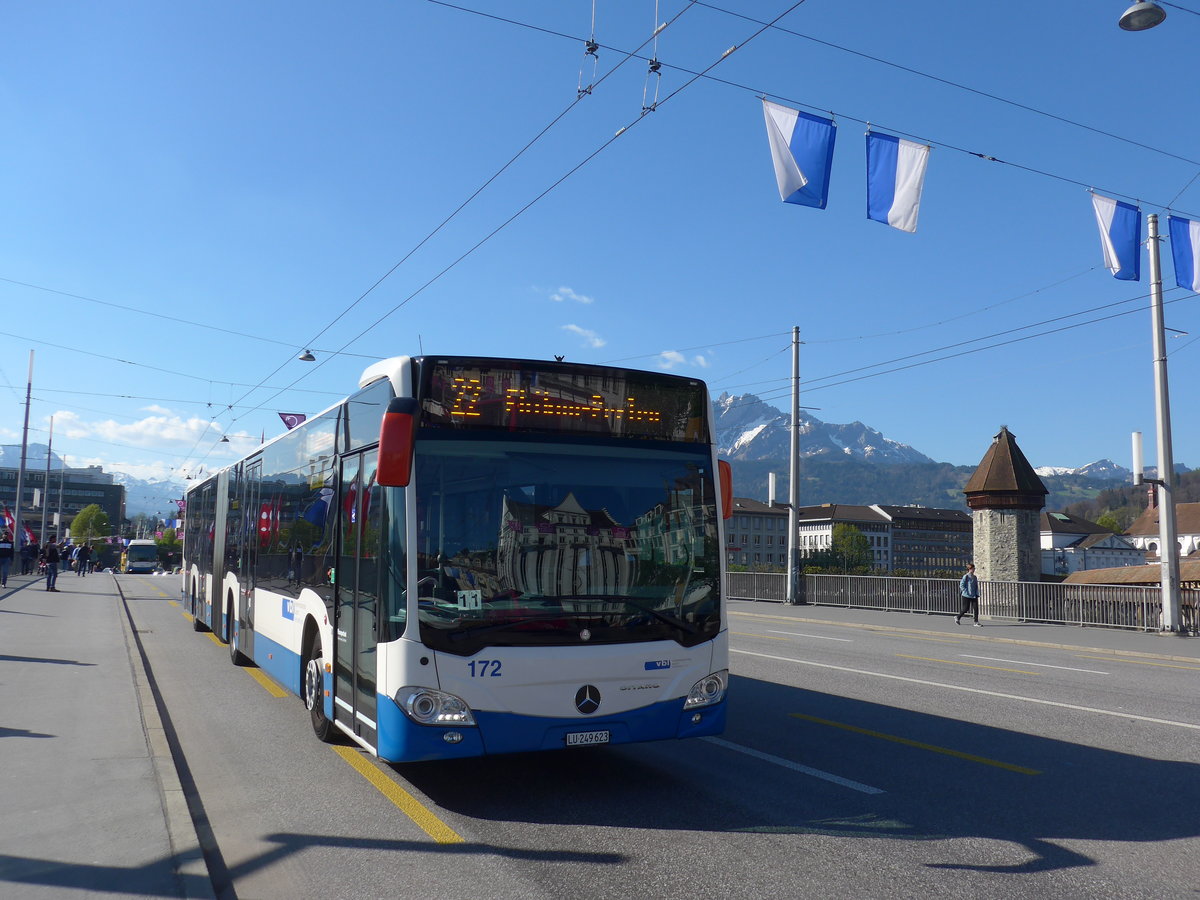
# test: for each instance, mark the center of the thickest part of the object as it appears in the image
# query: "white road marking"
(819, 637)
(1022, 662)
(971, 690)
(795, 767)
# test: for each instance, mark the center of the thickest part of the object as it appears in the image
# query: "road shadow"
(942, 779)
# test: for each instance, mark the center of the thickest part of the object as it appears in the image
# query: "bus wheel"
(197, 625)
(314, 692)
(236, 656)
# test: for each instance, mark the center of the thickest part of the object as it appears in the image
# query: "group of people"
(50, 558)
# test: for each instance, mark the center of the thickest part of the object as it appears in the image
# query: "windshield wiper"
(673, 621)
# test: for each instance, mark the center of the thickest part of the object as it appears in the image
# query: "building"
(816, 524)
(914, 540)
(928, 542)
(1006, 498)
(756, 534)
(1144, 535)
(1071, 544)
(70, 491)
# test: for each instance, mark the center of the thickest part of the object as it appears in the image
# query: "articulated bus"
(474, 556)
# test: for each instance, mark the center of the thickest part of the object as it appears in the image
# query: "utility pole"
(18, 532)
(46, 484)
(1168, 553)
(793, 573)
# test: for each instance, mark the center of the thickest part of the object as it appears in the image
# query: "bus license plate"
(587, 738)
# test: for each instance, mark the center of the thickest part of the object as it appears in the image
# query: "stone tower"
(1006, 499)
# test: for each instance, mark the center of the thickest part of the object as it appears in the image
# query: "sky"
(194, 193)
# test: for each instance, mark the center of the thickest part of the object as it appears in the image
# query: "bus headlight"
(708, 690)
(426, 706)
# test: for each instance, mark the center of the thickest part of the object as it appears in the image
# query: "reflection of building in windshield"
(565, 549)
(670, 532)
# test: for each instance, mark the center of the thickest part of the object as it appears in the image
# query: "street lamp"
(1142, 16)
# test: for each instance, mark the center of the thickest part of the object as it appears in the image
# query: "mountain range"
(851, 463)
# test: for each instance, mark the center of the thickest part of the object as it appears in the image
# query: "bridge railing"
(1100, 605)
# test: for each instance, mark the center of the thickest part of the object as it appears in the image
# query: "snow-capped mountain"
(750, 429)
(1100, 470)
(150, 497)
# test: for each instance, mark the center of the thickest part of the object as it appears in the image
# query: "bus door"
(256, 525)
(356, 580)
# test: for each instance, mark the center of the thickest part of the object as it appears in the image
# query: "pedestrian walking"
(51, 558)
(83, 559)
(968, 586)
(6, 556)
(29, 552)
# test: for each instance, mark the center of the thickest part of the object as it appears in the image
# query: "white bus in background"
(140, 556)
(472, 556)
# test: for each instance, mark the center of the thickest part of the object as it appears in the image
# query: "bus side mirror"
(396, 435)
(725, 474)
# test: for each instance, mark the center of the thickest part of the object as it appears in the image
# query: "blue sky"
(195, 192)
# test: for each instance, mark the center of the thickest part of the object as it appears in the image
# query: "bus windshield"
(564, 544)
(142, 553)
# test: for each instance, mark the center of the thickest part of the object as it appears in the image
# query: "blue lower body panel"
(402, 740)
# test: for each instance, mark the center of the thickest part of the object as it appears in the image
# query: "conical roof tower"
(1006, 497)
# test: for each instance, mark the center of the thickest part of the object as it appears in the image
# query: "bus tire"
(314, 693)
(197, 624)
(236, 656)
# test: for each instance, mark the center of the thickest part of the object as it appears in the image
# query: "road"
(910, 759)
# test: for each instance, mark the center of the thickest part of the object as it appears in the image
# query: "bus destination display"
(582, 401)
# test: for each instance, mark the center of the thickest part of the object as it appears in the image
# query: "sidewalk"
(92, 801)
(1103, 640)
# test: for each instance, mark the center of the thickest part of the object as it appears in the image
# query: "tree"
(169, 547)
(853, 549)
(848, 554)
(90, 523)
(1109, 521)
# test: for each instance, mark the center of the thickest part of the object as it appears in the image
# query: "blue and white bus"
(473, 556)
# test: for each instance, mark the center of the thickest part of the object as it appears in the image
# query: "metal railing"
(1097, 605)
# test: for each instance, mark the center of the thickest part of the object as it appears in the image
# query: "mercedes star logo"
(587, 699)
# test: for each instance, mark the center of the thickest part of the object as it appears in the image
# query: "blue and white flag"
(895, 179)
(1120, 236)
(1185, 250)
(802, 150)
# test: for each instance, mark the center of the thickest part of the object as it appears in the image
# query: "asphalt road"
(907, 759)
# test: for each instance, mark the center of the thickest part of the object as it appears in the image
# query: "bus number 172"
(485, 668)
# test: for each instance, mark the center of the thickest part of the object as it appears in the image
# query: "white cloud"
(590, 338)
(670, 359)
(163, 430)
(565, 293)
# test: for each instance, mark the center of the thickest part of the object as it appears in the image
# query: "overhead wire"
(554, 121)
(620, 132)
(760, 92)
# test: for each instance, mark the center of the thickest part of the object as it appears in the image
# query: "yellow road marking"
(765, 637)
(173, 602)
(911, 637)
(970, 757)
(1140, 662)
(405, 802)
(955, 662)
(262, 678)
(216, 640)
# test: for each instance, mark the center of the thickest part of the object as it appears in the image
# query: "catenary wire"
(622, 131)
